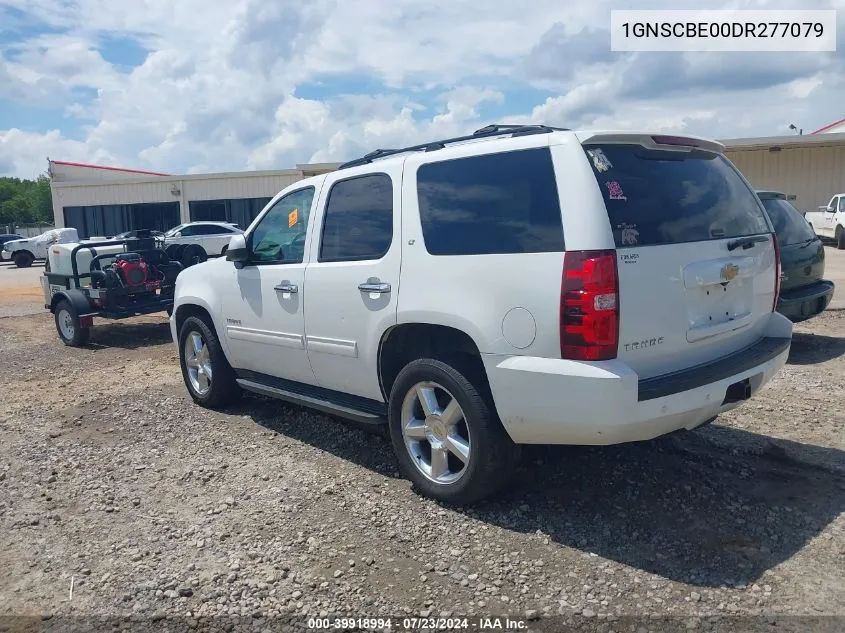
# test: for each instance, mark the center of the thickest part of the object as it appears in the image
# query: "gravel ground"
(114, 483)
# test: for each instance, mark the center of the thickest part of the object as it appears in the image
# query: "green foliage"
(25, 201)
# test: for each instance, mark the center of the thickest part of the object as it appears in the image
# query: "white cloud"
(221, 87)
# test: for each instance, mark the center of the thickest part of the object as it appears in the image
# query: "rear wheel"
(208, 376)
(23, 259)
(446, 435)
(68, 326)
(193, 254)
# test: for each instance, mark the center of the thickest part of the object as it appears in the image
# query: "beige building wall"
(813, 174)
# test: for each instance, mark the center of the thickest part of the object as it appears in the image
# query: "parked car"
(829, 221)
(25, 251)
(7, 237)
(519, 285)
(195, 241)
(803, 291)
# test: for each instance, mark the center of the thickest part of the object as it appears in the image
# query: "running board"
(366, 412)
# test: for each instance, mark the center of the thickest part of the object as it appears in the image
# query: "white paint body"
(827, 220)
(328, 333)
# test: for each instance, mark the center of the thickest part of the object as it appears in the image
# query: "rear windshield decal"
(614, 190)
(630, 234)
(600, 161)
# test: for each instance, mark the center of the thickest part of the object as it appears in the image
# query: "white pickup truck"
(24, 252)
(829, 221)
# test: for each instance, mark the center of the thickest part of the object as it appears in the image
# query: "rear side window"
(359, 219)
(790, 226)
(496, 203)
(658, 197)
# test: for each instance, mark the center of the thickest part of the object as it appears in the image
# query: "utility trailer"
(110, 279)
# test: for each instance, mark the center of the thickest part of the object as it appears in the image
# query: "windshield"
(174, 230)
(790, 226)
(656, 197)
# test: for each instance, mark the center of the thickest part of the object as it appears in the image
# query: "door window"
(359, 219)
(841, 204)
(279, 238)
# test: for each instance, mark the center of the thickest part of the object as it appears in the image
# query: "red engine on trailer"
(132, 268)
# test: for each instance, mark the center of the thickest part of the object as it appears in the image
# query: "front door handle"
(374, 288)
(285, 287)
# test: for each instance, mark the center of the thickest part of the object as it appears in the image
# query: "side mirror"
(237, 250)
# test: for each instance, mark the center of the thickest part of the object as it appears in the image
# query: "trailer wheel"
(208, 376)
(68, 326)
(23, 259)
(193, 254)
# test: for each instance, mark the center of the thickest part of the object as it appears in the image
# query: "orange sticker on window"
(293, 217)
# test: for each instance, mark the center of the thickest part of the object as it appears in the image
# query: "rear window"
(790, 226)
(494, 203)
(658, 197)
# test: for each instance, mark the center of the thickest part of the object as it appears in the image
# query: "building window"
(112, 219)
(240, 211)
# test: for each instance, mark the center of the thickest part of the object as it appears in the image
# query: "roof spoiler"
(653, 141)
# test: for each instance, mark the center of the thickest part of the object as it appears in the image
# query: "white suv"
(522, 285)
(196, 241)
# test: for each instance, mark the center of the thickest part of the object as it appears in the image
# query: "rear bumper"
(798, 304)
(553, 401)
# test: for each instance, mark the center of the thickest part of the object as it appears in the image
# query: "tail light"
(589, 306)
(777, 271)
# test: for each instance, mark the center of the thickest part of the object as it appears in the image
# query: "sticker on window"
(293, 217)
(614, 190)
(600, 161)
(630, 234)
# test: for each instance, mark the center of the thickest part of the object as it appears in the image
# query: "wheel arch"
(77, 299)
(406, 342)
(195, 306)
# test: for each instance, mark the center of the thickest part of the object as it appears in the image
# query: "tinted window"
(210, 229)
(841, 204)
(359, 219)
(662, 197)
(279, 238)
(498, 203)
(790, 226)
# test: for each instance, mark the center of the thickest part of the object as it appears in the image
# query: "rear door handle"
(286, 288)
(374, 288)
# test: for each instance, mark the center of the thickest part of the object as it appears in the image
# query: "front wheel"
(208, 376)
(446, 434)
(23, 259)
(840, 238)
(68, 326)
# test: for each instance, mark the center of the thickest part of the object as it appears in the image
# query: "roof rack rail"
(485, 132)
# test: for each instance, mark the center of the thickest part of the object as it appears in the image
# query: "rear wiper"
(746, 242)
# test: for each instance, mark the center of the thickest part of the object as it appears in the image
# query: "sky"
(191, 86)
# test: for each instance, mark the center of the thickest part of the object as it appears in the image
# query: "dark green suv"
(803, 292)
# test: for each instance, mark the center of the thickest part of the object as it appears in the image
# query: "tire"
(489, 454)
(193, 254)
(221, 389)
(23, 259)
(68, 328)
(840, 238)
(174, 252)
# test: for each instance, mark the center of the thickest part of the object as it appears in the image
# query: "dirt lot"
(113, 483)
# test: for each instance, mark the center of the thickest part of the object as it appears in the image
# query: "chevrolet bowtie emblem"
(729, 271)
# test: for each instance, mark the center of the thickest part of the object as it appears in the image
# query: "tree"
(25, 201)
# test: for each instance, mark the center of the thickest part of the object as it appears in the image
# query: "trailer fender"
(77, 299)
